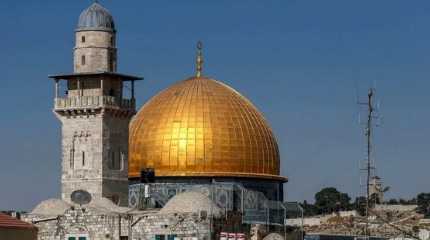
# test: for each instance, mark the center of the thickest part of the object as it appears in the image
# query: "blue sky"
(300, 62)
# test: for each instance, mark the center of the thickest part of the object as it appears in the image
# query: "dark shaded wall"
(18, 234)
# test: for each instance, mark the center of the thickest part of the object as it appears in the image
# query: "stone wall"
(94, 155)
(180, 225)
(318, 220)
(115, 155)
(395, 207)
(95, 225)
(314, 221)
(99, 225)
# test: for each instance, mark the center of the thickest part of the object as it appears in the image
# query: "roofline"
(91, 74)
(95, 29)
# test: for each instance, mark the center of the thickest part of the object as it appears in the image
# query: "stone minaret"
(95, 113)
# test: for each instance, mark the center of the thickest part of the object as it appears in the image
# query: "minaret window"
(72, 154)
(111, 61)
(116, 158)
(83, 39)
(83, 59)
(72, 160)
(83, 159)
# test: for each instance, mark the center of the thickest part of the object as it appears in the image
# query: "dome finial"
(199, 59)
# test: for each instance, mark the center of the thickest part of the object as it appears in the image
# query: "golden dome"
(201, 127)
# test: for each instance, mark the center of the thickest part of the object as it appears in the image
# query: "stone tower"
(95, 49)
(95, 112)
(376, 189)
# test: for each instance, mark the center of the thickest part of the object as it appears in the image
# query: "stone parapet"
(395, 207)
(89, 102)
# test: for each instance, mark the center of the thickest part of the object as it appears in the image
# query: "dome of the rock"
(200, 127)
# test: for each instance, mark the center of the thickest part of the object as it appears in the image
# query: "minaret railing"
(83, 102)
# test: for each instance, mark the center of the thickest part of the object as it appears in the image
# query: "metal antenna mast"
(369, 150)
(369, 166)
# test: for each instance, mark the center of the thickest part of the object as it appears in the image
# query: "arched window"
(83, 59)
(83, 39)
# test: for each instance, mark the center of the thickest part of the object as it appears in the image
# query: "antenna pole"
(369, 151)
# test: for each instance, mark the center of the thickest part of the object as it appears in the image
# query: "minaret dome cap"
(96, 18)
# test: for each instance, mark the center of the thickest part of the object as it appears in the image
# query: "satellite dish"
(81, 197)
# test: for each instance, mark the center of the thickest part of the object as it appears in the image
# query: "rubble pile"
(382, 223)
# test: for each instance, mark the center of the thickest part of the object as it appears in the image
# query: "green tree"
(423, 202)
(330, 199)
(393, 201)
(309, 209)
(412, 201)
(360, 205)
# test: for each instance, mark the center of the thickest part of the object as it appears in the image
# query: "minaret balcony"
(93, 102)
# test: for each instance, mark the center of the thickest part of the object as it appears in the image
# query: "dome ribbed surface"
(96, 17)
(202, 127)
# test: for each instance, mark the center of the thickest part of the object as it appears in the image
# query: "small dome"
(274, 236)
(96, 17)
(191, 202)
(107, 206)
(51, 207)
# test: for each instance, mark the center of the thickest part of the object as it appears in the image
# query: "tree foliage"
(309, 209)
(329, 200)
(423, 202)
(360, 205)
